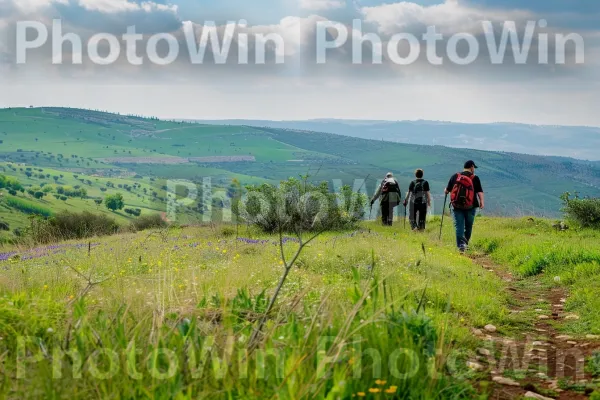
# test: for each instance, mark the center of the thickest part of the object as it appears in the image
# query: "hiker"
(466, 196)
(390, 194)
(418, 198)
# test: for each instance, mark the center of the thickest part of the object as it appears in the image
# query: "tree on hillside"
(98, 202)
(114, 202)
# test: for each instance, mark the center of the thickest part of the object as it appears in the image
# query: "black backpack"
(419, 193)
(389, 185)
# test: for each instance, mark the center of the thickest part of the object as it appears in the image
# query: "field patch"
(145, 160)
(223, 159)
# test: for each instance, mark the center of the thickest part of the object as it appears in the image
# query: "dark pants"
(418, 216)
(387, 212)
(463, 222)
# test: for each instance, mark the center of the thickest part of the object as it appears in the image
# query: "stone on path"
(543, 317)
(572, 316)
(531, 395)
(563, 337)
(505, 381)
(592, 337)
(490, 328)
(571, 342)
(484, 352)
(475, 366)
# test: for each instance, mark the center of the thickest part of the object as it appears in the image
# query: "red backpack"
(462, 196)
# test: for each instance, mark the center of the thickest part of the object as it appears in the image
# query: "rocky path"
(537, 361)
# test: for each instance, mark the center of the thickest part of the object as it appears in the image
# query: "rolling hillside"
(144, 153)
(571, 141)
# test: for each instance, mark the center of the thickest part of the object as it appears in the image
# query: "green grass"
(350, 297)
(535, 248)
(180, 291)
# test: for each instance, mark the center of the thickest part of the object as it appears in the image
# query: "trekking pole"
(443, 212)
(404, 217)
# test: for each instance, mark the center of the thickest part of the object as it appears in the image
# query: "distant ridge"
(578, 142)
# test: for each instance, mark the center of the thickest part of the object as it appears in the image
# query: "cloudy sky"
(299, 87)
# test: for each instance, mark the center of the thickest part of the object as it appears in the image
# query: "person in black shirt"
(418, 198)
(464, 219)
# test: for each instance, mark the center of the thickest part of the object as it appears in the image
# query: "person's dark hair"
(419, 173)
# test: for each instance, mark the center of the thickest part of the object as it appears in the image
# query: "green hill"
(101, 146)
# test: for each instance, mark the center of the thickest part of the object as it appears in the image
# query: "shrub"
(27, 207)
(136, 212)
(71, 191)
(298, 205)
(585, 212)
(4, 226)
(9, 183)
(114, 202)
(68, 226)
(148, 222)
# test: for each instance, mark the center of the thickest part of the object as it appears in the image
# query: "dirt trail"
(538, 357)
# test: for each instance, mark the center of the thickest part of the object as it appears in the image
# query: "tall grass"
(358, 310)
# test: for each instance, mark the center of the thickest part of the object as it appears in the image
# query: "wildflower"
(224, 251)
(391, 390)
(374, 390)
(380, 382)
(361, 394)
(45, 286)
(71, 297)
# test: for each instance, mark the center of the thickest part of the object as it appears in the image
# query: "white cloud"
(34, 5)
(116, 6)
(295, 31)
(104, 6)
(320, 5)
(449, 18)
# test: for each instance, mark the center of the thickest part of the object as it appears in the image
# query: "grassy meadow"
(376, 313)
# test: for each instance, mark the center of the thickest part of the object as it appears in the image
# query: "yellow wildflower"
(380, 382)
(361, 394)
(374, 390)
